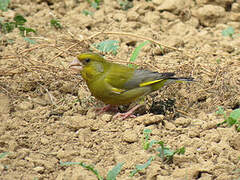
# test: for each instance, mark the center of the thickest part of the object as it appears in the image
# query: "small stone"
(77, 122)
(153, 119)
(2, 167)
(44, 140)
(235, 142)
(236, 7)
(174, 6)
(184, 122)
(39, 169)
(157, 2)
(130, 136)
(169, 126)
(132, 15)
(169, 16)
(66, 153)
(68, 87)
(210, 15)
(193, 172)
(24, 106)
(4, 104)
(91, 114)
(234, 16)
(106, 117)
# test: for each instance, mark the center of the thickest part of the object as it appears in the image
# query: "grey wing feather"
(141, 76)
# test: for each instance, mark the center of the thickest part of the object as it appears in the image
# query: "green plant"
(232, 119)
(146, 143)
(2, 155)
(140, 167)
(164, 152)
(18, 22)
(4, 5)
(136, 52)
(125, 4)
(167, 154)
(95, 3)
(86, 12)
(228, 32)
(112, 174)
(56, 24)
(108, 46)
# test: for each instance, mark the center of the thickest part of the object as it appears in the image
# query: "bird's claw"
(123, 116)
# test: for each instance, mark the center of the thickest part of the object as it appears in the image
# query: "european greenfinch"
(116, 84)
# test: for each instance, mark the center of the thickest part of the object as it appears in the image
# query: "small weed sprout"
(18, 22)
(136, 52)
(56, 24)
(4, 5)
(228, 32)
(232, 119)
(107, 46)
(95, 3)
(112, 174)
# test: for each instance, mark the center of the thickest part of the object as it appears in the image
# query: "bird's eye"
(87, 60)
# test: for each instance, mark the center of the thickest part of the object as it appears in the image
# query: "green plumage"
(117, 84)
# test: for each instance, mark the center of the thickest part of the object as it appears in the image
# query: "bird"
(116, 84)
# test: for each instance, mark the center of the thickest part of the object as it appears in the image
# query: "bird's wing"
(124, 78)
(142, 78)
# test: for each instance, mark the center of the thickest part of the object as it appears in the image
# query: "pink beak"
(75, 65)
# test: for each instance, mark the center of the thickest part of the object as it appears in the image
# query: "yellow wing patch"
(116, 90)
(149, 82)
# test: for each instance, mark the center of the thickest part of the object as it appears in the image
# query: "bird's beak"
(75, 65)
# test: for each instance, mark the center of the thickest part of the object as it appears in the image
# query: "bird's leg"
(106, 108)
(128, 114)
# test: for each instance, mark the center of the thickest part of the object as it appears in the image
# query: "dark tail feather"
(170, 80)
(181, 78)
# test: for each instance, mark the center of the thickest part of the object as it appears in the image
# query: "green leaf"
(142, 166)
(147, 131)
(114, 172)
(166, 153)
(88, 167)
(4, 5)
(109, 46)
(2, 155)
(56, 24)
(125, 5)
(235, 114)
(25, 31)
(95, 5)
(146, 144)
(31, 41)
(152, 142)
(231, 121)
(180, 151)
(7, 27)
(220, 110)
(228, 31)
(137, 51)
(19, 20)
(238, 128)
(86, 13)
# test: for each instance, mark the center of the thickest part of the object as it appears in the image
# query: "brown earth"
(47, 113)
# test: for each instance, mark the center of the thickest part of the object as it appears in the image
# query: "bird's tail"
(170, 80)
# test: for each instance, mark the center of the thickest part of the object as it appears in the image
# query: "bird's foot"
(107, 108)
(123, 116)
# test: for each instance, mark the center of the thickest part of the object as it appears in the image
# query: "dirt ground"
(47, 113)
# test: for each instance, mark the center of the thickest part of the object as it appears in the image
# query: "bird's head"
(89, 65)
(86, 59)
